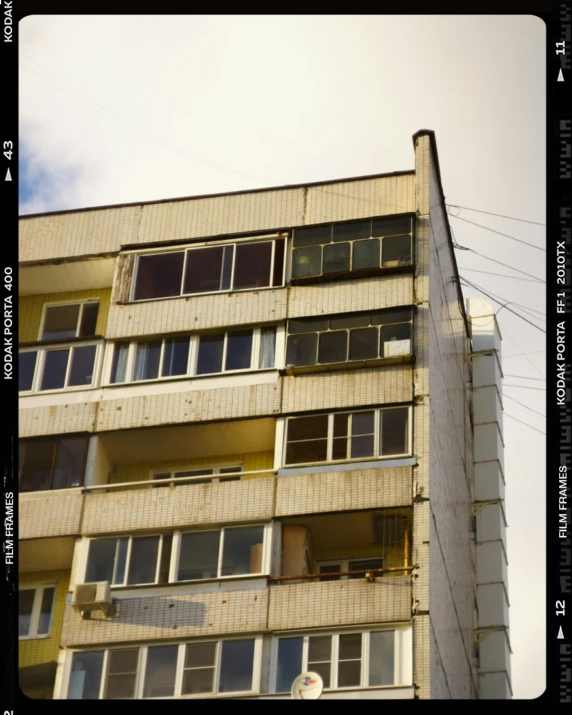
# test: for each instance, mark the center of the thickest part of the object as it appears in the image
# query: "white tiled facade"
(427, 593)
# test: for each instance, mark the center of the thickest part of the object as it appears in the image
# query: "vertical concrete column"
(492, 633)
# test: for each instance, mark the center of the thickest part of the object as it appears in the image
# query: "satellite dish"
(307, 686)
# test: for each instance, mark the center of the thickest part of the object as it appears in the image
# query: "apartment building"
(260, 434)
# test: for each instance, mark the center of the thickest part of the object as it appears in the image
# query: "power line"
(521, 377)
(523, 405)
(534, 352)
(492, 230)
(482, 255)
(126, 122)
(524, 423)
(524, 387)
(490, 213)
(528, 360)
(500, 275)
(472, 285)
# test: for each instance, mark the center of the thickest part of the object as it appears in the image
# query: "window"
(344, 566)
(231, 551)
(353, 247)
(69, 320)
(35, 608)
(211, 269)
(209, 354)
(207, 475)
(343, 660)
(349, 337)
(167, 558)
(52, 463)
(194, 669)
(57, 369)
(345, 436)
(129, 561)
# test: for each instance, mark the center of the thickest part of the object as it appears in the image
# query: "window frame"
(193, 356)
(41, 352)
(349, 361)
(265, 558)
(401, 658)
(272, 238)
(351, 272)
(217, 474)
(57, 439)
(330, 437)
(344, 566)
(142, 657)
(130, 538)
(38, 589)
(56, 304)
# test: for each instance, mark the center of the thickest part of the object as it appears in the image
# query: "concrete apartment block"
(260, 435)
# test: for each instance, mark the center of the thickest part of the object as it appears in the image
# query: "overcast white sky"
(127, 109)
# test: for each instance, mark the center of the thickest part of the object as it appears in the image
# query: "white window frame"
(214, 244)
(402, 656)
(216, 472)
(179, 668)
(57, 304)
(38, 589)
(130, 538)
(265, 561)
(344, 565)
(194, 341)
(330, 437)
(41, 361)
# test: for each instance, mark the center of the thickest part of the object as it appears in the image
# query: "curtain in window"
(267, 347)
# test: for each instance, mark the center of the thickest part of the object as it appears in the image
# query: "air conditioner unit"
(88, 597)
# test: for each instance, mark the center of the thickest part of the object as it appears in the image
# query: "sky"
(138, 108)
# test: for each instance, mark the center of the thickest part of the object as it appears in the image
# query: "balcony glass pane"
(238, 350)
(82, 364)
(363, 344)
(394, 431)
(122, 673)
(365, 254)
(333, 347)
(88, 319)
(25, 605)
(313, 236)
(101, 560)
(301, 349)
(46, 611)
(349, 673)
(119, 364)
(396, 251)
(396, 340)
(61, 322)
(147, 360)
(352, 231)
(236, 666)
(252, 265)
(204, 270)
(37, 465)
(306, 262)
(381, 658)
(277, 279)
(70, 462)
(391, 226)
(198, 558)
(55, 366)
(211, 348)
(143, 560)
(289, 663)
(242, 551)
(200, 655)
(362, 447)
(85, 678)
(311, 451)
(387, 317)
(26, 368)
(350, 320)
(160, 672)
(363, 422)
(308, 428)
(175, 357)
(308, 325)
(337, 258)
(159, 276)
